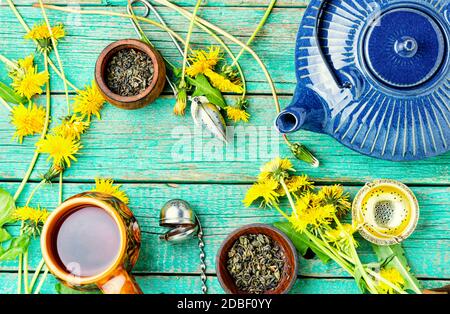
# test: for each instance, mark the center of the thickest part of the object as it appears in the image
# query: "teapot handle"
(345, 85)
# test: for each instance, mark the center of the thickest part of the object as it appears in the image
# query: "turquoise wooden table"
(138, 149)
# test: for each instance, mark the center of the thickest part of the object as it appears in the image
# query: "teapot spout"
(305, 112)
(290, 120)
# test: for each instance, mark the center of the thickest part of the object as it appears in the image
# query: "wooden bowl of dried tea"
(257, 259)
(130, 74)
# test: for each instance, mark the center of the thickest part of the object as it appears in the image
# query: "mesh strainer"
(386, 211)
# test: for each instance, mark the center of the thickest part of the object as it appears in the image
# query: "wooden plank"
(154, 145)
(88, 35)
(209, 3)
(221, 211)
(191, 285)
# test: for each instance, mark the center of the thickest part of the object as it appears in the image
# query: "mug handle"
(120, 282)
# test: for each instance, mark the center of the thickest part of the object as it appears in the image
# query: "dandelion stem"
(5, 104)
(36, 274)
(25, 272)
(43, 134)
(8, 62)
(41, 282)
(330, 254)
(358, 264)
(54, 68)
(107, 13)
(258, 28)
(281, 212)
(42, 262)
(58, 59)
(335, 251)
(19, 271)
(188, 40)
(60, 187)
(289, 196)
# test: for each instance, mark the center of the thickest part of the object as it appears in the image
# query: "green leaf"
(4, 235)
(62, 289)
(394, 256)
(9, 95)
(204, 88)
(301, 242)
(17, 246)
(7, 207)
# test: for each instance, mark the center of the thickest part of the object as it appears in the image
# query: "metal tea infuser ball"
(184, 224)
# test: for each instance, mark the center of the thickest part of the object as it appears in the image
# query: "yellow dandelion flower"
(107, 186)
(336, 196)
(276, 169)
(27, 120)
(40, 32)
(308, 212)
(26, 213)
(27, 63)
(222, 83)
(297, 185)
(262, 190)
(72, 127)
(393, 276)
(89, 101)
(203, 61)
(30, 83)
(59, 148)
(237, 114)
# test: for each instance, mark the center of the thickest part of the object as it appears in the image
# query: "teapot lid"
(404, 47)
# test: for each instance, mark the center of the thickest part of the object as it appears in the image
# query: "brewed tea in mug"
(92, 240)
(87, 241)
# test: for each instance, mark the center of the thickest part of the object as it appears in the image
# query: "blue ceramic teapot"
(375, 75)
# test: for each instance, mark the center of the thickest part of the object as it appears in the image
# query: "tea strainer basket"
(386, 211)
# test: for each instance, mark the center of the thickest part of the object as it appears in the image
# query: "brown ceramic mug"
(102, 228)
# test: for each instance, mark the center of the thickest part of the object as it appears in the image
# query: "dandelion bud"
(302, 153)
(180, 106)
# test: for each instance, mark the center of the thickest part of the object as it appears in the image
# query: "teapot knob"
(406, 47)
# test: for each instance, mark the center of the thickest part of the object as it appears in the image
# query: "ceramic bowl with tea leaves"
(257, 259)
(130, 74)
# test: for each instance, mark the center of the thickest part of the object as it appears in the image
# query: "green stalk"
(358, 264)
(60, 198)
(262, 22)
(8, 62)
(58, 59)
(5, 104)
(36, 275)
(188, 40)
(281, 212)
(289, 196)
(23, 258)
(333, 256)
(43, 134)
(41, 283)
(336, 251)
(25, 272)
(19, 271)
